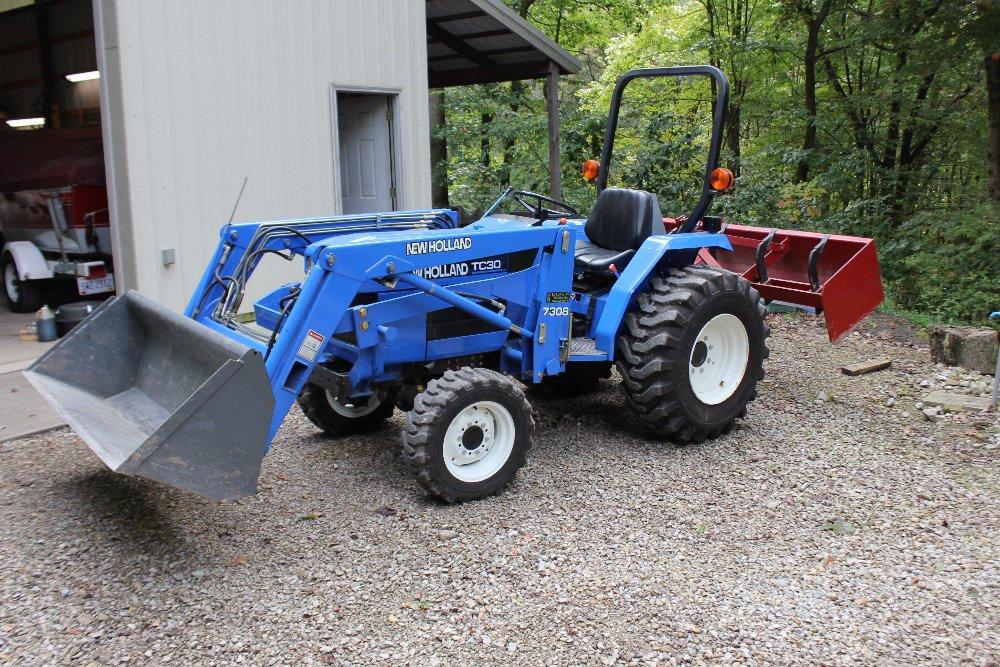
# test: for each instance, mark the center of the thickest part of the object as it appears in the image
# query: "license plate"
(96, 285)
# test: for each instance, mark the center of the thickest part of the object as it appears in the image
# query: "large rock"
(969, 347)
(952, 402)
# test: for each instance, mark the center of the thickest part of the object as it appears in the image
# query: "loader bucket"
(158, 395)
(837, 276)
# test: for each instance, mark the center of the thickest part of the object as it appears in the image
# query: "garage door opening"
(366, 148)
(55, 223)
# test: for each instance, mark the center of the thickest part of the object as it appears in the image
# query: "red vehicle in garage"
(54, 223)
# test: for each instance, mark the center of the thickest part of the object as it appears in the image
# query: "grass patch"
(920, 320)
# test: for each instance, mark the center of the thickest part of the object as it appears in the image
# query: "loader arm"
(242, 246)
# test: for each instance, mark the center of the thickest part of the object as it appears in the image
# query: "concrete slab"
(23, 410)
(16, 354)
(952, 402)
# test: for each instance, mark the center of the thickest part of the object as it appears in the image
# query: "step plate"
(585, 349)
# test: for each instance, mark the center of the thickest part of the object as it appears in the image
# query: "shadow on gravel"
(602, 409)
(372, 446)
(125, 509)
(372, 459)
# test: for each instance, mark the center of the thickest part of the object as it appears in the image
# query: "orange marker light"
(721, 179)
(591, 168)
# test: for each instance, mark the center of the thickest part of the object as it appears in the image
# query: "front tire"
(468, 434)
(692, 352)
(339, 419)
(23, 296)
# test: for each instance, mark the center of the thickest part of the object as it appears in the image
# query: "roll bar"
(715, 145)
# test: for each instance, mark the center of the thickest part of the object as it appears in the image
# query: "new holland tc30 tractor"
(409, 310)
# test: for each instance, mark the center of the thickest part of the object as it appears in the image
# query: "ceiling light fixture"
(83, 76)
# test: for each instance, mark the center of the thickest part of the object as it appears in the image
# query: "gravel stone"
(844, 533)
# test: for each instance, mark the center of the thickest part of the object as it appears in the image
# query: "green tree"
(872, 117)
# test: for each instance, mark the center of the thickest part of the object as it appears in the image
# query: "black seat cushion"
(594, 259)
(618, 224)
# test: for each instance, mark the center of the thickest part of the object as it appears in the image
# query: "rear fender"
(28, 260)
(654, 254)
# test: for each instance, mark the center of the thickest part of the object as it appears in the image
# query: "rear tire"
(692, 352)
(23, 296)
(339, 419)
(468, 434)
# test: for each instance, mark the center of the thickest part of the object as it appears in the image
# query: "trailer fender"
(28, 260)
(649, 256)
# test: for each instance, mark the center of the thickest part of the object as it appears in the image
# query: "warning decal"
(310, 345)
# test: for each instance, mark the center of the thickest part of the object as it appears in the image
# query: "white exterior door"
(364, 124)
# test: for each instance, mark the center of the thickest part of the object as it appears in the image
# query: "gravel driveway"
(828, 528)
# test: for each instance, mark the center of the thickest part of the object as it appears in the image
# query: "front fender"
(28, 260)
(650, 255)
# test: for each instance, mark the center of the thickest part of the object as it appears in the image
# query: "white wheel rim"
(10, 281)
(718, 359)
(478, 442)
(356, 407)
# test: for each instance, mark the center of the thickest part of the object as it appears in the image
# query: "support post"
(552, 109)
(45, 62)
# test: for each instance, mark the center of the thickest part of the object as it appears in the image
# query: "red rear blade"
(838, 276)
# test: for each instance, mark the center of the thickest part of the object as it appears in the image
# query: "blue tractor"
(445, 322)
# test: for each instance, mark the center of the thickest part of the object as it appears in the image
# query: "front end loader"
(408, 310)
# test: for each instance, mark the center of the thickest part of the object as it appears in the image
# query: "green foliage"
(899, 118)
(947, 264)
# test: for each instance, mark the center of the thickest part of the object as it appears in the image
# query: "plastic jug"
(46, 325)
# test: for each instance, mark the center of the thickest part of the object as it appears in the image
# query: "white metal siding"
(211, 92)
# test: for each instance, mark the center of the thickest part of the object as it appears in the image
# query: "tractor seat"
(617, 225)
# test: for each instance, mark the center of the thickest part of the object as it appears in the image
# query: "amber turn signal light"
(721, 179)
(591, 168)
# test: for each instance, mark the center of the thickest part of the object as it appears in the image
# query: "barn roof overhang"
(484, 41)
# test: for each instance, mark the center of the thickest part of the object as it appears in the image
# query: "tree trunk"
(993, 121)
(484, 141)
(516, 93)
(733, 139)
(809, 138)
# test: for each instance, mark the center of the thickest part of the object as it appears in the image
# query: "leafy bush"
(947, 264)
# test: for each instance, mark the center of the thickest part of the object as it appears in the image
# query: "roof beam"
(492, 52)
(53, 39)
(456, 17)
(480, 35)
(492, 74)
(457, 45)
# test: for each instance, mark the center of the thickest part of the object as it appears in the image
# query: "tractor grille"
(452, 322)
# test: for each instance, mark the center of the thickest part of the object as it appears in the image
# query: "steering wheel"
(561, 210)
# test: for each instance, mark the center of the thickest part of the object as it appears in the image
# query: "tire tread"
(429, 407)
(653, 333)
